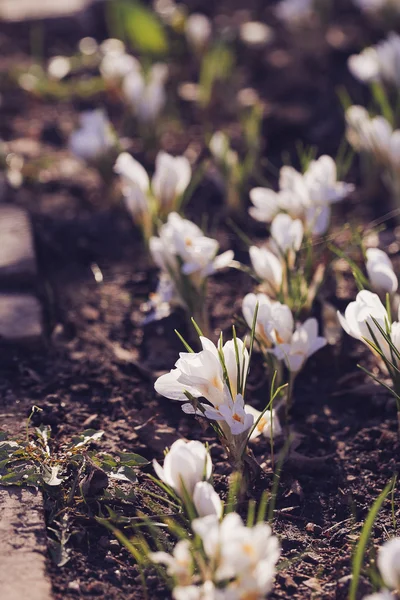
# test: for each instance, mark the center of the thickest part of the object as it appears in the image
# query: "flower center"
(236, 417)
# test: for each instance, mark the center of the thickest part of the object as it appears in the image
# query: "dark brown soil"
(345, 428)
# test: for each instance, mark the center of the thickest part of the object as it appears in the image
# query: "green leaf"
(142, 27)
(130, 459)
(359, 554)
(124, 474)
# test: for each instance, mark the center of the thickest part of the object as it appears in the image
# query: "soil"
(98, 364)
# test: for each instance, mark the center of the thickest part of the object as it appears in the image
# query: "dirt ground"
(346, 443)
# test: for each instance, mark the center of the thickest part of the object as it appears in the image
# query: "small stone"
(17, 256)
(20, 319)
(90, 313)
(74, 586)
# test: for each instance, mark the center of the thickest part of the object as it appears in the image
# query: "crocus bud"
(389, 563)
(206, 500)
(380, 271)
(186, 464)
(198, 31)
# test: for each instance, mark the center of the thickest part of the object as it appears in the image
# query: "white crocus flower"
(382, 595)
(179, 564)
(359, 313)
(116, 63)
(198, 31)
(146, 95)
(264, 426)
(274, 320)
(322, 184)
(380, 62)
(171, 178)
(294, 12)
(205, 591)
(185, 465)
(389, 563)
(59, 67)
(135, 184)
(197, 253)
(219, 146)
(305, 341)
(266, 204)
(305, 196)
(287, 233)
(213, 375)
(380, 271)
(239, 552)
(206, 500)
(267, 266)
(94, 138)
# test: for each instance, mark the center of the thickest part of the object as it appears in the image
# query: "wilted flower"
(179, 564)
(380, 271)
(198, 31)
(206, 500)
(94, 138)
(264, 426)
(304, 343)
(146, 93)
(186, 464)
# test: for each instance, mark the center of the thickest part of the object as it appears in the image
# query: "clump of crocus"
(186, 257)
(307, 197)
(366, 319)
(226, 559)
(144, 92)
(218, 374)
(148, 201)
(282, 342)
(376, 140)
(378, 63)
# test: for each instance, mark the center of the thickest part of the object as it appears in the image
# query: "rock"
(20, 10)
(22, 545)
(17, 256)
(20, 319)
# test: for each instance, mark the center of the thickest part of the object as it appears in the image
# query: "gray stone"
(17, 251)
(20, 10)
(20, 319)
(22, 545)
